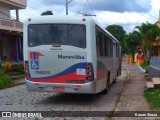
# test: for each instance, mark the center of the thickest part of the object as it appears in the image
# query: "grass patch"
(153, 97)
(145, 65)
(4, 80)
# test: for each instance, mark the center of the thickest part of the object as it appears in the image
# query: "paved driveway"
(19, 99)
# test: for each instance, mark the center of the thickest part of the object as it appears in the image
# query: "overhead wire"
(29, 6)
(90, 7)
(83, 5)
(136, 4)
(73, 8)
(139, 13)
(7, 15)
(86, 6)
(118, 9)
(80, 6)
(94, 7)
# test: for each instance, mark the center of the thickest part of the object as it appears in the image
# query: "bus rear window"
(57, 34)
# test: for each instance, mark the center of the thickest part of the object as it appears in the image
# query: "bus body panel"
(68, 88)
(51, 67)
(57, 67)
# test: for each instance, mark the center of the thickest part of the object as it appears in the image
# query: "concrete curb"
(141, 68)
(18, 82)
(119, 99)
(127, 72)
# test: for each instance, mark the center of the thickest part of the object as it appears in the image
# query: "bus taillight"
(89, 78)
(26, 66)
(28, 76)
(90, 73)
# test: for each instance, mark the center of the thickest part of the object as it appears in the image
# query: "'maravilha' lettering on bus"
(70, 57)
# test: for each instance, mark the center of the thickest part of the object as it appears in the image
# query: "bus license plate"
(58, 89)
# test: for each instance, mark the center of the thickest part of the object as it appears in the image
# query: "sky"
(126, 13)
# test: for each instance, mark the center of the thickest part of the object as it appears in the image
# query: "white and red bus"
(70, 54)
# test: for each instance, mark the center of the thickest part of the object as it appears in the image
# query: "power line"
(139, 13)
(28, 5)
(90, 7)
(118, 10)
(6, 14)
(73, 8)
(80, 6)
(83, 5)
(136, 4)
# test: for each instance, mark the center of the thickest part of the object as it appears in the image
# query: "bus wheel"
(105, 91)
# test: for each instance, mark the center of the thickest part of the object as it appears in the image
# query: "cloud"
(53, 2)
(127, 13)
(120, 6)
(127, 20)
(120, 18)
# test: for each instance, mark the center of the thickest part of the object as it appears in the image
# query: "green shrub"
(4, 80)
(145, 65)
(18, 68)
(7, 67)
(153, 97)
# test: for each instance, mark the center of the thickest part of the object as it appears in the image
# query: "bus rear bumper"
(87, 88)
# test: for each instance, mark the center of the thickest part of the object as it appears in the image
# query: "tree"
(117, 31)
(149, 32)
(48, 12)
(131, 41)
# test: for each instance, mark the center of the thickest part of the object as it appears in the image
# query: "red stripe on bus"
(31, 55)
(61, 79)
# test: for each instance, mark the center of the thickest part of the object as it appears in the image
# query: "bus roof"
(62, 18)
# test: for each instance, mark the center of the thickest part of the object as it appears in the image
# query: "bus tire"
(105, 91)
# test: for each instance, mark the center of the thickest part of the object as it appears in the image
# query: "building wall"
(15, 4)
(20, 2)
(4, 11)
(11, 38)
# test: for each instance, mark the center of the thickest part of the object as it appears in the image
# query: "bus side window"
(111, 47)
(117, 50)
(100, 44)
(97, 43)
(106, 46)
(103, 45)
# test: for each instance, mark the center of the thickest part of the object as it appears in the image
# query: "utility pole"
(67, 6)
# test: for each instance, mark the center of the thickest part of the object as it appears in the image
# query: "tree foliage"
(117, 31)
(48, 12)
(131, 41)
(149, 32)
